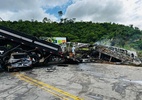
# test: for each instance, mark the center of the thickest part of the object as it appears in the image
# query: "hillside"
(128, 37)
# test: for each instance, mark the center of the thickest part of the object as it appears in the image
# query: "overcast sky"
(119, 11)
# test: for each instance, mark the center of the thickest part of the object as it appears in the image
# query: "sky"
(127, 12)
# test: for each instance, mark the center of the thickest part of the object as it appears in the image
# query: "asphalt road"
(91, 81)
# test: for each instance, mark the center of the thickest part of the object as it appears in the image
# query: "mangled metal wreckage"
(112, 54)
(27, 48)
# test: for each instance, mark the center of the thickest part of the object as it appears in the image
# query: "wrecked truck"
(15, 42)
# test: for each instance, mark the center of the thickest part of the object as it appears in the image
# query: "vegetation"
(88, 32)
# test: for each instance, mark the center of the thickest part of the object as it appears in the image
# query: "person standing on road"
(73, 50)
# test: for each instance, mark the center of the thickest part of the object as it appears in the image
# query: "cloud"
(26, 9)
(94, 10)
(17, 5)
(37, 14)
(53, 3)
(118, 11)
(133, 13)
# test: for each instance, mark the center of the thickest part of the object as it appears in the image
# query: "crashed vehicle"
(18, 60)
(40, 51)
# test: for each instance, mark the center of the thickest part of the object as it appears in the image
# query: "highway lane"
(50, 89)
(88, 81)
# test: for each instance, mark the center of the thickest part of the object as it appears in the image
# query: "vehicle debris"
(42, 52)
(51, 68)
(107, 54)
(13, 41)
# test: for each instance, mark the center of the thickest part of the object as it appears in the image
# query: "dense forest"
(128, 37)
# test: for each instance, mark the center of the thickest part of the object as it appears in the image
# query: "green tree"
(60, 13)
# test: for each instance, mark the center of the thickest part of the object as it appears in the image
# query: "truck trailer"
(12, 41)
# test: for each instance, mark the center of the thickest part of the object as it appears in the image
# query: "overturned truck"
(17, 42)
(114, 54)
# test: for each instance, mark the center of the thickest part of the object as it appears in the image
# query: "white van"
(18, 60)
